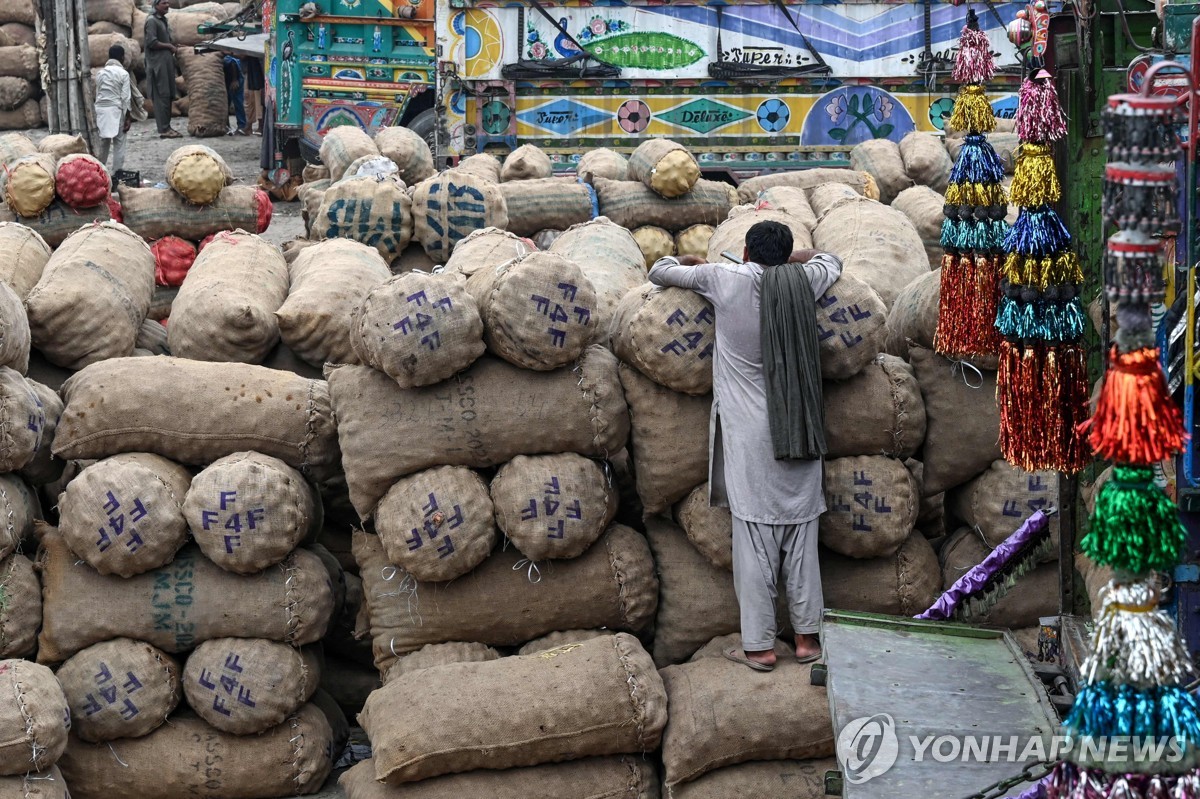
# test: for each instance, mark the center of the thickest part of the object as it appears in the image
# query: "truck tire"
(424, 125)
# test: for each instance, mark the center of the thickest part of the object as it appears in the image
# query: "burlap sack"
(14, 146)
(880, 158)
(245, 686)
(694, 240)
(152, 336)
(611, 259)
(34, 718)
(926, 161)
(561, 638)
(21, 610)
(603, 695)
(654, 243)
(248, 511)
(602, 163)
(877, 244)
(1034, 595)
(19, 33)
(923, 207)
(19, 510)
(795, 779)
(872, 506)
(789, 200)
(611, 585)
(998, 501)
(197, 173)
(197, 412)
(343, 145)
(154, 213)
(824, 198)
(14, 341)
(527, 162)
(338, 722)
(99, 44)
(579, 409)
(408, 151)
(623, 777)
(44, 468)
(47, 785)
(963, 422)
(208, 101)
(119, 689)
(730, 235)
(632, 204)
(329, 282)
(668, 335)
(27, 116)
(60, 145)
(484, 166)
(55, 224)
(709, 727)
(92, 297)
(19, 61)
(22, 11)
(485, 248)
(905, 584)
(537, 310)
(29, 185)
(225, 309)
(1006, 145)
(710, 529)
(119, 12)
(553, 506)
(432, 655)
(557, 203)
(861, 182)
(311, 195)
(664, 166)
(189, 758)
(14, 92)
(292, 604)
(669, 439)
(26, 255)
(124, 515)
(447, 207)
(377, 213)
(879, 411)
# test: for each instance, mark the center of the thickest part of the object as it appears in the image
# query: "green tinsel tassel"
(1135, 526)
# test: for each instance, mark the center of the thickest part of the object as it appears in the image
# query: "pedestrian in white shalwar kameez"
(114, 102)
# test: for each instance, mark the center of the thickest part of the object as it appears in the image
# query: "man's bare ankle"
(761, 656)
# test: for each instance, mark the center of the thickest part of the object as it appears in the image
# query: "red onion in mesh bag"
(265, 208)
(114, 210)
(173, 257)
(82, 182)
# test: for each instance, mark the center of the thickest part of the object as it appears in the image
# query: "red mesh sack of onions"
(173, 257)
(82, 182)
(265, 209)
(114, 210)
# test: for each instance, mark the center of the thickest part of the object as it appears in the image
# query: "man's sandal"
(737, 656)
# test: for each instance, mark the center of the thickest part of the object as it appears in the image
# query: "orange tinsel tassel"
(1042, 395)
(970, 294)
(1136, 420)
(1073, 398)
(951, 304)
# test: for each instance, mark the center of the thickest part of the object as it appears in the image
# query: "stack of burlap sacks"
(20, 83)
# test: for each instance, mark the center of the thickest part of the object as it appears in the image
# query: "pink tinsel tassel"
(1040, 117)
(974, 63)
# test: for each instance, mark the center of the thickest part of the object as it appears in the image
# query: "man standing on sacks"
(767, 432)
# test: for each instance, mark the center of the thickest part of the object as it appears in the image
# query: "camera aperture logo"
(867, 747)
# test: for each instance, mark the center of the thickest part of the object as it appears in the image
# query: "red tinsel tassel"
(1041, 392)
(1136, 420)
(970, 294)
(951, 304)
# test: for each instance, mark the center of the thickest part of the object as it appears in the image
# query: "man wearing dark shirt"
(160, 68)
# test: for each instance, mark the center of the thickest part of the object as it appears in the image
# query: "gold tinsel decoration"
(972, 111)
(1035, 181)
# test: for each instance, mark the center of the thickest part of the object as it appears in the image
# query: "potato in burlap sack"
(432, 655)
(795, 779)
(880, 158)
(447, 207)
(22, 420)
(292, 604)
(57, 222)
(561, 638)
(21, 610)
(418, 328)
(1034, 594)
(632, 204)
(877, 245)
(408, 151)
(437, 524)
(14, 92)
(527, 162)
(710, 529)
(44, 468)
(311, 195)
(788, 200)
(29, 185)
(14, 146)
(667, 334)
(669, 433)
(879, 411)
(342, 146)
(34, 718)
(208, 101)
(60, 145)
(48, 784)
(377, 213)
(861, 182)
(903, 584)
(604, 695)
(484, 166)
(556, 203)
(189, 758)
(999, 500)
(154, 213)
(248, 511)
(225, 310)
(537, 310)
(499, 412)
(100, 43)
(872, 506)
(694, 240)
(92, 297)
(119, 689)
(602, 163)
(197, 173)
(730, 235)
(923, 207)
(124, 515)
(612, 261)
(485, 248)
(664, 166)
(246, 686)
(654, 243)
(553, 506)
(19, 511)
(329, 282)
(14, 333)
(925, 160)
(611, 585)
(26, 256)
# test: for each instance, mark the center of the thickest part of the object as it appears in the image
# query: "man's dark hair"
(116, 53)
(769, 243)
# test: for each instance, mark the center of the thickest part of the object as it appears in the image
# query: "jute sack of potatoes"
(225, 310)
(19, 512)
(610, 258)
(499, 412)
(207, 98)
(824, 198)
(694, 240)
(119, 689)
(666, 167)
(556, 203)
(485, 248)
(19, 61)
(604, 695)
(654, 243)
(527, 162)
(448, 207)
(329, 282)
(60, 145)
(418, 328)
(861, 182)
(709, 529)
(553, 506)
(291, 604)
(26, 257)
(431, 655)
(197, 173)
(188, 757)
(14, 92)
(311, 195)
(195, 412)
(408, 151)
(48, 784)
(796, 779)
(21, 613)
(730, 235)
(29, 185)
(669, 335)
(611, 585)
(437, 524)
(926, 161)
(154, 213)
(92, 297)
(877, 244)
(872, 504)
(14, 332)
(923, 207)
(377, 213)
(879, 411)
(34, 719)
(789, 200)
(341, 146)
(22, 420)
(14, 146)
(602, 163)
(632, 204)
(880, 158)
(44, 468)
(55, 224)
(997, 502)
(124, 515)
(27, 115)
(561, 638)
(536, 310)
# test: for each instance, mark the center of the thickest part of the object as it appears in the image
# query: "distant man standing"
(160, 68)
(114, 102)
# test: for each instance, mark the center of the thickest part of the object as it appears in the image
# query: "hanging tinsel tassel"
(1072, 455)
(1135, 526)
(972, 110)
(1104, 709)
(1070, 781)
(967, 306)
(1038, 232)
(1035, 181)
(1136, 421)
(1040, 115)
(977, 162)
(974, 62)
(1134, 642)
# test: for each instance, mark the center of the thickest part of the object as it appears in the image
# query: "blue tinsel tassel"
(977, 162)
(1039, 232)
(1006, 317)
(1102, 709)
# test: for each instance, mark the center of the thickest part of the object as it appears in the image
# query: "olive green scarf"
(792, 363)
